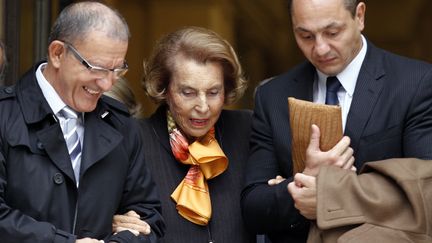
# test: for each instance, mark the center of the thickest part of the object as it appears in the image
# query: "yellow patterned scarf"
(207, 161)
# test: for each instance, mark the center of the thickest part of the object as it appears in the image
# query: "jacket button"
(58, 178)
(9, 90)
(40, 145)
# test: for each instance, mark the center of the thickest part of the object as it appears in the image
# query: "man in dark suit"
(386, 103)
(71, 158)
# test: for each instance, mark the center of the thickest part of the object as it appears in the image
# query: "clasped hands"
(129, 221)
(303, 187)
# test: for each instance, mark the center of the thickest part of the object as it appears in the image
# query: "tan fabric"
(390, 201)
(302, 115)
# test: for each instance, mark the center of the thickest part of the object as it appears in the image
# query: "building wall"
(259, 31)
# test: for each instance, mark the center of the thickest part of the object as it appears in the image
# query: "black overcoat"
(39, 201)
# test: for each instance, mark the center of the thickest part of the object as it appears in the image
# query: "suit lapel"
(53, 142)
(368, 89)
(38, 114)
(100, 138)
(303, 83)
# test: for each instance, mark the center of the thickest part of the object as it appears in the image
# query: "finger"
(304, 180)
(131, 220)
(132, 226)
(132, 214)
(135, 232)
(126, 219)
(272, 182)
(275, 181)
(341, 146)
(145, 229)
(353, 168)
(349, 163)
(314, 138)
(345, 160)
(348, 153)
(292, 189)
(297, 183)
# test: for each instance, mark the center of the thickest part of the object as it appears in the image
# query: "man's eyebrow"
(329, 26)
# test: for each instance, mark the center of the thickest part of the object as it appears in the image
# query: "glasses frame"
(118, 72)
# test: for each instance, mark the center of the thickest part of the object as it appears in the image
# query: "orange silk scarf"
(207, 161)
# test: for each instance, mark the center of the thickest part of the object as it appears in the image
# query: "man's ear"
(56, 51)
(360, 15)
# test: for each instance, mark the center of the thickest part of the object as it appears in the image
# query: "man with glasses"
(71, 158)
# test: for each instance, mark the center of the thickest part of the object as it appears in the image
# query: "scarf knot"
(206, 160)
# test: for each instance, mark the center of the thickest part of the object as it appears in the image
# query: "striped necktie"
(72, 139)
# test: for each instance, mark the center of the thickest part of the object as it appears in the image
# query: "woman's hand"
(130, 221)
(275, 181)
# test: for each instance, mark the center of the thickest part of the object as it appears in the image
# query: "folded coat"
(389, 201)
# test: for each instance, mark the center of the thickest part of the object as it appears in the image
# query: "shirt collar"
(53, 99)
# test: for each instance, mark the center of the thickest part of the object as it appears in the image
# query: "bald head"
(79, 19)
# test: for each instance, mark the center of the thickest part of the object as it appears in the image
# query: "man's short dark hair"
(350, 5)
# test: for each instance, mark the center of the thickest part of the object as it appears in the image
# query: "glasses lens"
(99, 72)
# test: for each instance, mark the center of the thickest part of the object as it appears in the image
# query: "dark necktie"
(333, 86)
(72, 138)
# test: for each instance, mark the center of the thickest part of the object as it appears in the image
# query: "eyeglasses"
(98, 71)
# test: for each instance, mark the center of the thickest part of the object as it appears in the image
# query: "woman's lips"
(199, 122)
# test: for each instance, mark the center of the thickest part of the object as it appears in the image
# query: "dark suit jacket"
(390, 117)
(226, 225)
(39, 200)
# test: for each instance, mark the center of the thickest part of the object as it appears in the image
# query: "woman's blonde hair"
(201, 45)
(122, 92)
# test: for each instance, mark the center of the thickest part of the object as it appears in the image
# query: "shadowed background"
(259, 30)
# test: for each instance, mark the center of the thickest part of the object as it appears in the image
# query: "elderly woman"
(195, 149)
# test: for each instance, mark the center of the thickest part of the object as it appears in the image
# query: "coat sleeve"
(393, 193)
(417, 138)
(18, 227)
(267, 209)
(140, 193)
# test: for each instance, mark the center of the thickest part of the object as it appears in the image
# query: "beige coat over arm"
(390, 201)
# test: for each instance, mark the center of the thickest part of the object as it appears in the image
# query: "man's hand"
(130, 221)
(341, 155)
(303, 191)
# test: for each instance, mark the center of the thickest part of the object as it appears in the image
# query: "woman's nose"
(202, 105)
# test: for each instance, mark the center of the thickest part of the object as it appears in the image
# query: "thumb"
(314, 143)
(132, 213)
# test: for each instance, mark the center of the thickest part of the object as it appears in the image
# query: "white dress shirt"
(348, 79)
(55, 102)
